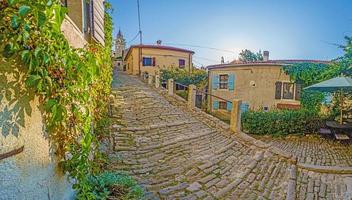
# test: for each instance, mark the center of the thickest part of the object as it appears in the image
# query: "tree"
(248, 56)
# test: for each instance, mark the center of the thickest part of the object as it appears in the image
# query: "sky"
(288, 29)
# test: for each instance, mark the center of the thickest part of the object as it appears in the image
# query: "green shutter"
(229, 106)
(231, 82)
(215, 81)
(215, 105)
(244, 107)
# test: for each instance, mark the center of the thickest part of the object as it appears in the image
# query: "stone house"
(28, 167)
(150, 59)
(119, 52)
(260, 85)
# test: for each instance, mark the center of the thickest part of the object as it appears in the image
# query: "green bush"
(196, 77)
(115, 185)
(280, 122)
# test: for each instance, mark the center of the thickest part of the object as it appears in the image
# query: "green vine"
(73, 85)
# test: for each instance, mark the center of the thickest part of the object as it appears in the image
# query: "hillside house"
(260, 85)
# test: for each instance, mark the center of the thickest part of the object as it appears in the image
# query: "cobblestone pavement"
(313, 149)
(178, 154)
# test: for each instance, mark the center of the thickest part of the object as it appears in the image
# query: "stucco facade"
(164, 58)
(254, 84)
(28, 166)
(32, 173)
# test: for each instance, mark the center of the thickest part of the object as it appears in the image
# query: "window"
(87, 13)
(181, 63)
(223, 105)
(223, 81)
(288, 90)
(148, 61)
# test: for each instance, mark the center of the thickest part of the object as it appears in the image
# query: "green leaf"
(10, 2)
(24, 10)
(46, 58)
(32, 80)
(14, 22)
(27, 28)
(49, 104)
(8, 50)
(37, 51)
(26, 35)
(41, 18)
(25, 56)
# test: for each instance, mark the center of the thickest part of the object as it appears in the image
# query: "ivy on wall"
(73, 85)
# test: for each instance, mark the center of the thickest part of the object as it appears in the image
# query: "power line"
(133, 38)
(203, 47)
(198, 62)
(207, 59)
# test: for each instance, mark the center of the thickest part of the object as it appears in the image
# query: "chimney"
(265, 56)
(158, 42)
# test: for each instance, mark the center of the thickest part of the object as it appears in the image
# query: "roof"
(158, 47)
(266, 63)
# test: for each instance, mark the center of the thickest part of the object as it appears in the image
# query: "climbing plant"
(73, 85)
(311, 73)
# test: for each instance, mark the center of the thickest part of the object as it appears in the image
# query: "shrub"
(115, 185)
(197, 77)
(280, 122)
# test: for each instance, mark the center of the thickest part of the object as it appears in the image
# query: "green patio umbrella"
(339, 84)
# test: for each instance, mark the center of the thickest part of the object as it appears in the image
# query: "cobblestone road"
(178, 154)
(312, 149)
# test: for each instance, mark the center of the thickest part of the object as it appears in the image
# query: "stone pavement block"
(183, 154)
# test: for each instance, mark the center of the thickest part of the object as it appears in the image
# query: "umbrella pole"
(341, 105)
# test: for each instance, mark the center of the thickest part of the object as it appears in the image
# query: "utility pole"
(140, 39)
(139, 24)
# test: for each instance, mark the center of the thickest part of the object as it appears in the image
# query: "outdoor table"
(338, 128)
(337, 125)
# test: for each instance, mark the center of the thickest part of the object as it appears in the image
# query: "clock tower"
(120, 45)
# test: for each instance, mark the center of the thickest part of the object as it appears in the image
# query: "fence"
(190, 95)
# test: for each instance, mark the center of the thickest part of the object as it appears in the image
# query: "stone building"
(28, 167)
(151, 59)
(118, 55)
(261, 85)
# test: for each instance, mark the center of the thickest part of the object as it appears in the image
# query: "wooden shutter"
(153, 61)
(298, 91)
(98, 21)
(215, 105)
(278, 88)
(215, 81)
(231, 82)
(229, 106)
(244, 107)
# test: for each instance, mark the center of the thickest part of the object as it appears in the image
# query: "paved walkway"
(180, 154)
(313, 149)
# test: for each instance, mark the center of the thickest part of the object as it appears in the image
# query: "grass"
(115, 185)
